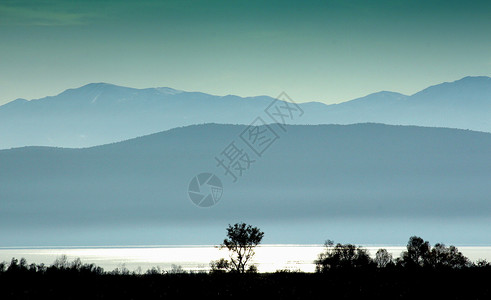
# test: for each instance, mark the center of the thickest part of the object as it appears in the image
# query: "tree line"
(242, 239)
(419, 254)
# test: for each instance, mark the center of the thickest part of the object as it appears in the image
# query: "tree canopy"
(241, 241)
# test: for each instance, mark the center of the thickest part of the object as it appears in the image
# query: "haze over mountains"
(368, 183)
(365, 183)
(101, 113)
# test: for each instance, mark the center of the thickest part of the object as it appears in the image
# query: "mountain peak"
(387, 94)
(378, 97)
(168, 90)
(474, 79)
(92, 89)
(467, 89)
(100, 85)
(96, 84)
(18, 101)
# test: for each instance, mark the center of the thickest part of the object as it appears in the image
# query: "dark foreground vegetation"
(469, 283)
(343, 271)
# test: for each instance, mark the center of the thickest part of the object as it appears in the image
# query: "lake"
(268, 258)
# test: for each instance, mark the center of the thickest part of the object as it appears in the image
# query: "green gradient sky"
(328, 51)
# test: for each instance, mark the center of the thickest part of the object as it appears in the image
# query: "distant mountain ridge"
(359, 182)
(101, 113)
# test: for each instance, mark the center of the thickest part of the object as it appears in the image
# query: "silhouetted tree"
(420, 254)
(482, 263)
(176, 269)
(41, 268)
(220, 266)
(92, 269)
(241, 241)
(447, 257)
(342, 257)
(61, 263)
(121, 270)
(23, 264)
(383, 258)
(13, 266)
(417, 253)
(154, 271)
(33, 268)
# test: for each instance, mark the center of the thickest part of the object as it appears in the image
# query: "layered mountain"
(368, 183)
(102, 113)
(463, 104)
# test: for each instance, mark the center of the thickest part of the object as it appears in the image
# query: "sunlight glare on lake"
(268, 258)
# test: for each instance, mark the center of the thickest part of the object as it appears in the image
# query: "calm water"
(268, 258)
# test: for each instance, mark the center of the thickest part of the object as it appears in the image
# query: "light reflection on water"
(269, 258)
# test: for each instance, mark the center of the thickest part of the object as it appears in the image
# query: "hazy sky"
(328, 51)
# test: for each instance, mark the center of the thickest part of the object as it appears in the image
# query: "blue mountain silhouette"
(366, 182)
(102, 113)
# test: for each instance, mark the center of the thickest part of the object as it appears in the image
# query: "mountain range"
(369, 183)
(101, 113)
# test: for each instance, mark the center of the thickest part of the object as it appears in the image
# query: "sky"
(328, 51)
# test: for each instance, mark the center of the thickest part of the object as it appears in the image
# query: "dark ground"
(379, 284)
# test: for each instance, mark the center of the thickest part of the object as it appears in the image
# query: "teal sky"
(328, 51)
